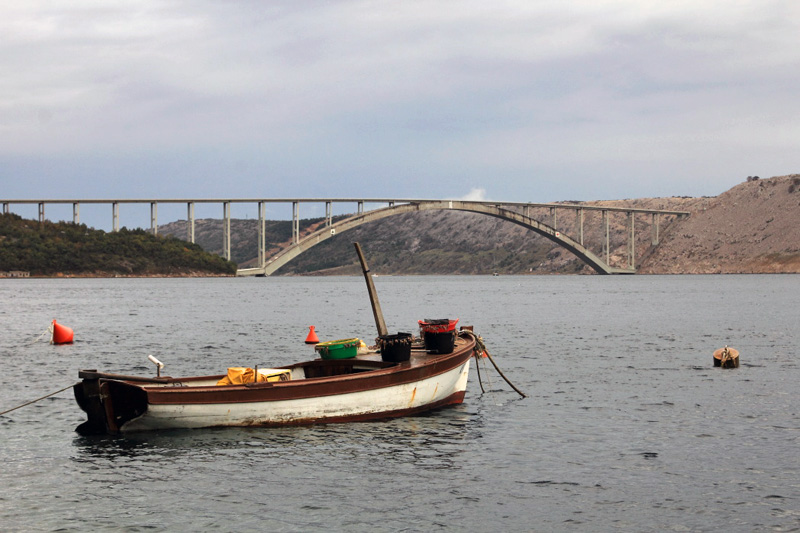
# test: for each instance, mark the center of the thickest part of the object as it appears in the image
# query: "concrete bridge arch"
(323, 234)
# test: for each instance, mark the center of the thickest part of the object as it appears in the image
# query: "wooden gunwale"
(420, 367)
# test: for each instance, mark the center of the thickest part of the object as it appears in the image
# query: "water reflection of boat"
(364, 387)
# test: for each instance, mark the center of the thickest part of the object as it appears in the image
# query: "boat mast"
(373, 295)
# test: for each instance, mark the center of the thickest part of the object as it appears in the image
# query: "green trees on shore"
(49, 248)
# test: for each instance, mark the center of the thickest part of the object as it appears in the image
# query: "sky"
(537, 100)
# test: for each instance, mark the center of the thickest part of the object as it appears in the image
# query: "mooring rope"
(504, 376)
(478, 369)
(48, 330)
(486, 371)
(38, 399)
(481, 348)
(724, 356)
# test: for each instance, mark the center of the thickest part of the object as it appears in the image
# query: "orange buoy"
(61, 334)
(312, 336)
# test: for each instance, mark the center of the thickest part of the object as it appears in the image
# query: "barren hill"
(754, 227)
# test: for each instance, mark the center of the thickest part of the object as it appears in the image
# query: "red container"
(439, 335)
(439, 325)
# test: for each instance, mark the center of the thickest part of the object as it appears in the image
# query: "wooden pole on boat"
(373, 295)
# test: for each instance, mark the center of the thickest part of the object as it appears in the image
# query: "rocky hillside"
(754, 227)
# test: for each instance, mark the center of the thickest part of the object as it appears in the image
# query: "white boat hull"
(365, 387)
(386, 401)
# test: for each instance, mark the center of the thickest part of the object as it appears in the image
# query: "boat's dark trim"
(111, 400)
(94, 374)
(397, 374)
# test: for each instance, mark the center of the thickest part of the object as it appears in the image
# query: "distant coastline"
(30, 249)
(101, 275)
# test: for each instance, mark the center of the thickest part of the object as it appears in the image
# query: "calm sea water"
(627, 425)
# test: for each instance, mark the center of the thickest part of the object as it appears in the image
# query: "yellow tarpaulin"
(238, 375)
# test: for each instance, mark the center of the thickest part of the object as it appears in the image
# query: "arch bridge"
(516, 212)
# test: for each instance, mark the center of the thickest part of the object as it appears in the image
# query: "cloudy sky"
(537, 100)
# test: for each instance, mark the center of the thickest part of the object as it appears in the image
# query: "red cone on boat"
(61, 334)
(312, 336)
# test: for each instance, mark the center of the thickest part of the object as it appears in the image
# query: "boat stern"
(108, 403)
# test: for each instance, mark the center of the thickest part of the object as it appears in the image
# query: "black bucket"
(440, 342)
(439, 334)
(395, 348)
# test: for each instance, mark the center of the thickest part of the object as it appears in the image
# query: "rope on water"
(48, 330)
(486, 371)
(504, 376)
(478, 369)
(725, 356)
(37, 399)
(481, 350)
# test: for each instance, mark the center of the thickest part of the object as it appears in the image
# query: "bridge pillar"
(76, 213)
(553, 216)
(262, 235)
(360, 208)
(295, 223)
(190, 220)
(5, 208)
(606, 251)
(41, 212)
(579, 224)
(631, 241)
(328, 214)
(154, 217)
(226, 231)
(655, 229)
(115, 216)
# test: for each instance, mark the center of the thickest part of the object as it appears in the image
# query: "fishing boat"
(368, 386)
(401, 376)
